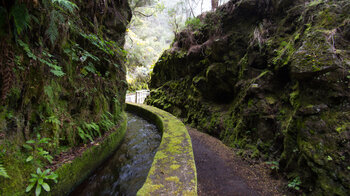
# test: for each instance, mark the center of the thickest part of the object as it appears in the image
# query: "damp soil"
(126, 171)
(221, 172)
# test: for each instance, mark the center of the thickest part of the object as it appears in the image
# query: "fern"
(52, 30)
(88, 131)
(21, 17)
(57, 73)
(83, 135)
(87, 55)
(55, 69)
(93, 128)
(65, 4)
(48, 60)
(26, 48)
(3, 172)
(53, 120)
(103, 45)
(90, 68)
(106, 123)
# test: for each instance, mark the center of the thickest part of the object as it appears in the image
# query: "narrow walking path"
(221, 172)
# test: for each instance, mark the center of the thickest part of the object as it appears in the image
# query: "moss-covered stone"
(281, 72)
(59, 88)
(173, 171)
(73, 173)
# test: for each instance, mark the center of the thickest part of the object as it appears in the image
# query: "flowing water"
(126, 171)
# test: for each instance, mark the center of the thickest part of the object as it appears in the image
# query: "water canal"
(126, 171)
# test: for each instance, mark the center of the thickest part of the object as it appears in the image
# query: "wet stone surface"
(126, 171)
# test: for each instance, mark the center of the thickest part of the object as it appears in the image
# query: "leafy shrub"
(194, 23)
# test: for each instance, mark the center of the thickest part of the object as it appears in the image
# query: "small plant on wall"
(295, 183)
(37, 150)
(39, 179)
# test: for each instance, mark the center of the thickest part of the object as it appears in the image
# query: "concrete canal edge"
(72, 174)
(173, 171)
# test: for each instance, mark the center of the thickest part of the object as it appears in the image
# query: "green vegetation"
(194, 23)
(152, 29)
(62, 84)
(270, 78)
(275, 88)
(274, 165)
(37, 150)
(73, 172)
(3, 172)
(39, 179)
(295, 183)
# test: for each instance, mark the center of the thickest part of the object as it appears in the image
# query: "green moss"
(173, 156)
(284, 54)
(148, 190)
(72, 174)
(271, 114)
(175, 166)
(270, 100)
(173, 178)
(15, 165)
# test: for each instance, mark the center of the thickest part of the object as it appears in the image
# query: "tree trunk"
(214, 4)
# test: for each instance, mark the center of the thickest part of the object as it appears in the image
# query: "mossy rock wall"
(62, 76)
(173, 171)
(271, 78)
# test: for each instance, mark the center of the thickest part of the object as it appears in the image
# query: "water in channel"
(126, 171)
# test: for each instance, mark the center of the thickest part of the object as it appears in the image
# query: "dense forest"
(270, 79)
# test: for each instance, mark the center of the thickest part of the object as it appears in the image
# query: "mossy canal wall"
(173, 171)
(72, 174)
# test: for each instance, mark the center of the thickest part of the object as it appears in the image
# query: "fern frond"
(65, 4)
(47, 59)
(52, 30)
(57, 73)
(3, 172)
(21, 17)
(26, 48)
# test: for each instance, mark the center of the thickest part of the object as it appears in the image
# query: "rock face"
(271, 77)
(62, 75)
